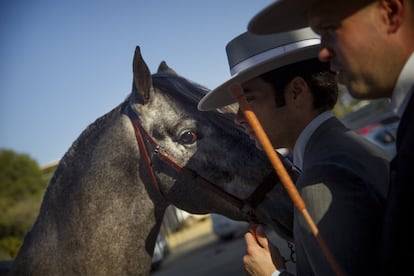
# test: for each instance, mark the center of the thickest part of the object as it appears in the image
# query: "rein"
(246, 206)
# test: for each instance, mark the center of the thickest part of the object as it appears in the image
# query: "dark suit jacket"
(344, 183)
(398, 237)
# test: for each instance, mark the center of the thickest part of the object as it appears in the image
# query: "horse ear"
(142, 83)
(164, 68)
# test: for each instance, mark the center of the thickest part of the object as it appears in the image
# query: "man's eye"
(249, 98)
(328, 30)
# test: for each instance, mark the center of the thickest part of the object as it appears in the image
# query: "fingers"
(251, 242)
(258, 244)
(261, 237)
(258, 260)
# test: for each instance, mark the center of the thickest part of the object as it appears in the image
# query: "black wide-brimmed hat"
(281, 16)
(251, 55)
(287, 15)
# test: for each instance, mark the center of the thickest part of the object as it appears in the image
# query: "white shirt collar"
(299, 148)
(402, 90)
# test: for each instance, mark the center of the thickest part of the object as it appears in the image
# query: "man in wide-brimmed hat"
(370, 46)
(344, 178)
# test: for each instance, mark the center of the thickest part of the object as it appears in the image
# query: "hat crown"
(250, 46)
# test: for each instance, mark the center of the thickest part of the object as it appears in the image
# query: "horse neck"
(96, 215)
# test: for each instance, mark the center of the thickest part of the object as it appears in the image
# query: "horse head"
(210, 146)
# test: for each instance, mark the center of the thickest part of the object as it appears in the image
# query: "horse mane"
(190, 93)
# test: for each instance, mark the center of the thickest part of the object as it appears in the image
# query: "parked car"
(226, 228)
(383, 135)
(161, 251)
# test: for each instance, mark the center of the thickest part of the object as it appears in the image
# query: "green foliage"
(20, 176)
(22, 185)
(9, 247)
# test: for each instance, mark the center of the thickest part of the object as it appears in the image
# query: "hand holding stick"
(237, 92)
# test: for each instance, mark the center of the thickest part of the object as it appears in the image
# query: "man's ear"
(393, 13)
(298, 86)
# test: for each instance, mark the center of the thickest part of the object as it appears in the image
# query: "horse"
(104, 205)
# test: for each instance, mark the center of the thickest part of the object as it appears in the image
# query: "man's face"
(274, 120)
(352, 43)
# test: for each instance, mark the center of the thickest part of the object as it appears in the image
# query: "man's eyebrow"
(247, 90)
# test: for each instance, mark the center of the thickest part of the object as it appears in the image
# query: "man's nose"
(239, 119)
(325, 54)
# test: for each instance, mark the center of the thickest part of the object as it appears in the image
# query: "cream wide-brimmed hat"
(251, 55)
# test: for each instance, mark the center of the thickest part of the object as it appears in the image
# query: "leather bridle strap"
(243, 205)
(143, 151)
(140, 132)
(269, 182)
(260, 193)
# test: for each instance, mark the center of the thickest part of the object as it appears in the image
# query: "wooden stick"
(237, 92)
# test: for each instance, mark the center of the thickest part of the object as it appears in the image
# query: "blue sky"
(65, 63)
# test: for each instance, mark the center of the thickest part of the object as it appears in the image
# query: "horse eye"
(188, 137)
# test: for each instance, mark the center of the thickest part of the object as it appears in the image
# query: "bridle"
(246, 206)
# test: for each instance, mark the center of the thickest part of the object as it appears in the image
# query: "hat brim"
(221, 96)
(280, 16)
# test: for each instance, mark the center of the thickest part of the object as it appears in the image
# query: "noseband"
(246, 206)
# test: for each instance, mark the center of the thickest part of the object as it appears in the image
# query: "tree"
(22, 186)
